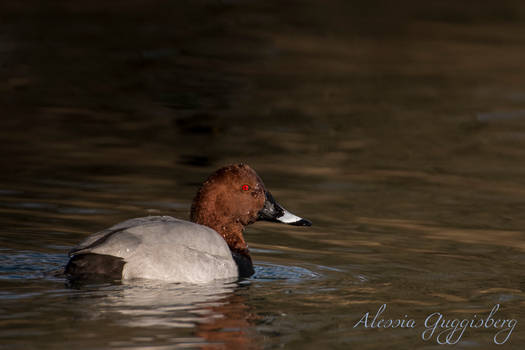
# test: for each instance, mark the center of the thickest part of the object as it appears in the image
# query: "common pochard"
(210, 247)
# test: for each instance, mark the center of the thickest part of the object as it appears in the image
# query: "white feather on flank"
(288, 217)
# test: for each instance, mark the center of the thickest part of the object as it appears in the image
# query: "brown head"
(233, 197)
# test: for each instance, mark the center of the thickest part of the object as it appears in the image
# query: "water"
(398, 130)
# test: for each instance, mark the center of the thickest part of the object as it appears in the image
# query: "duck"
(209, 247)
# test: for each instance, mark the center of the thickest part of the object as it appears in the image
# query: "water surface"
(397, 129)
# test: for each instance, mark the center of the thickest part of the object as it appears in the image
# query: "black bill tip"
(302, 222)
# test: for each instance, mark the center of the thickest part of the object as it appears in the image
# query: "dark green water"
(398, 128)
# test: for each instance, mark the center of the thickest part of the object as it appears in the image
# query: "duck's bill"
(273, 211)
(291, 219)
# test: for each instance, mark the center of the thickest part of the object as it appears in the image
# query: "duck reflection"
(212, 315)
(234, 330)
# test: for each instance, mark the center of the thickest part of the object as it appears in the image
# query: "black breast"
(244, 264)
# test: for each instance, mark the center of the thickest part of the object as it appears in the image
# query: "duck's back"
(155, 247)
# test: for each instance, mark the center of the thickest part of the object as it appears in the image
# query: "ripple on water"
(26, 264)
(271, 272)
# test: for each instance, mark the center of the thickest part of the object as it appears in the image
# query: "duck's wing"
(156, 233)
(100, 237)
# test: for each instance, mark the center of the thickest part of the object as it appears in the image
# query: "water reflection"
(215, 313)
(150, 303)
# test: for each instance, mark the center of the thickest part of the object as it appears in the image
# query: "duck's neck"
(233, 235)
(232, 232)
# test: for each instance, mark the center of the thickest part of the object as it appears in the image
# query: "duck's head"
(235, 196)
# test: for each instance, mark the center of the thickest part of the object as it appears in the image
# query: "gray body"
(164, 248)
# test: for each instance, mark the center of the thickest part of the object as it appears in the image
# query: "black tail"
(97, 267)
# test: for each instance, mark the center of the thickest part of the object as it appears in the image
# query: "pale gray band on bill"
(288, 217)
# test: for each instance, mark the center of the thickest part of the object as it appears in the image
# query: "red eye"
(245, 187)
